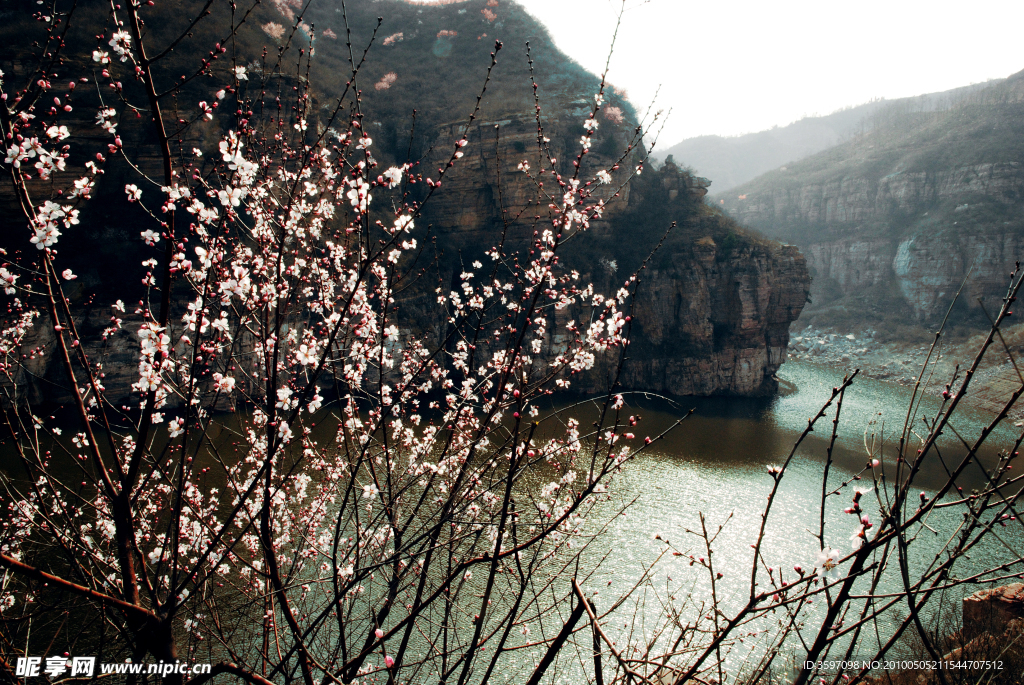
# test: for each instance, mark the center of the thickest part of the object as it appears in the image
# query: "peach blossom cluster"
(344, 431)
(386, 81)
(274, 30)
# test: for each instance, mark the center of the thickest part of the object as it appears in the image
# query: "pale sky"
(735, 66)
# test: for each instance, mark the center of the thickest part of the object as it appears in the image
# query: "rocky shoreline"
(902, 362)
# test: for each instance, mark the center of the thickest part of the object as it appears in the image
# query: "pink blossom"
(274, 30)
(614, 114)
(386, 80)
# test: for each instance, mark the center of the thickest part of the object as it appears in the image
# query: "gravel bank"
(902, 363)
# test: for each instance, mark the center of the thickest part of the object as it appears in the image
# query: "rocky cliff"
(714, 306)
(894, 222)
(717, 324)
(715, 303)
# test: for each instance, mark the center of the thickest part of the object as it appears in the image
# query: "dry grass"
(1006, 651)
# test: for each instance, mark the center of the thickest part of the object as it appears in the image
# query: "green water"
(714, 464)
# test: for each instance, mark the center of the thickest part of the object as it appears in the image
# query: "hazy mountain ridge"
(892, 221)
(733, 160)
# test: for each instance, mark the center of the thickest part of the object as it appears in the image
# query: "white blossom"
(827, 564)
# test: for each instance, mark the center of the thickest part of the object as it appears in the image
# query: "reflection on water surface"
(714, 464)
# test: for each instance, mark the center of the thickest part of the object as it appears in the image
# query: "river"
(715, 464)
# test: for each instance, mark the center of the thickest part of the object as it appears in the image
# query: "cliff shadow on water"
(738, 434)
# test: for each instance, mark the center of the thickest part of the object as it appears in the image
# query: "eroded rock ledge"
(713, 324)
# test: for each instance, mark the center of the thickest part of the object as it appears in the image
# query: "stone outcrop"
(717, 324)
(989, 611)
(487, 181)
(709, 318)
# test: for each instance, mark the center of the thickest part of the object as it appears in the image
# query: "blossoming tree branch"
(302, 487)
(306, 485)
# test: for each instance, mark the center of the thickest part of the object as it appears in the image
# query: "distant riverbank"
(902, 362)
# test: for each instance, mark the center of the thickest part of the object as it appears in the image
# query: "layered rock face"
(487, 188)
(710, 317)
(989, 611)
(927, 266)
(912, 211)
(849, 201)
(717, 324)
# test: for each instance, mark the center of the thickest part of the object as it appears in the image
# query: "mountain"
(715, 303)
(893, 221)
(734, 160)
